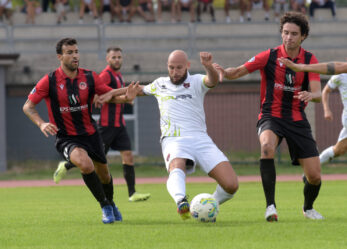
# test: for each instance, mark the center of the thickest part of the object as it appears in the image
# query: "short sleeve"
(40, 91)
(334, 82)
(100, 85)
(257, 62)
(105, 77)
(150, 89)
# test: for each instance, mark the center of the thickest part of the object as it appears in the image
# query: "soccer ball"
(204, 208)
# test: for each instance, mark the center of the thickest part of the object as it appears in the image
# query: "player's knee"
(231, 187)
(314, 179)
(267, 150)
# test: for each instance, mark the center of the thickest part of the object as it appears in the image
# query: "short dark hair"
(62, 42)
(298, 19)
(116, 49)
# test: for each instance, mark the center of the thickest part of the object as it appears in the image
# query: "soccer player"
(69, 93)
(112, 126)
(184, 138)
(338, 82)
(283, 97)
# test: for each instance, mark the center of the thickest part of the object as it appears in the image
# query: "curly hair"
(298, 19)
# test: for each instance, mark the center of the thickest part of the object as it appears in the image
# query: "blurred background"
(147, 31)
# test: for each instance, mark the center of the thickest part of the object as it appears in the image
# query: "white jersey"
(181, 106)
(340, 82)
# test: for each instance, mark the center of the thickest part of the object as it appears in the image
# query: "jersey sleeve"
(40, 91)
(313, 76)
(257, 62)
(100, 86)
(334, 82)
(151, 89)
(105, 77)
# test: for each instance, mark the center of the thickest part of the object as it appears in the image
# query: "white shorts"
(199, 149)
(343, 132)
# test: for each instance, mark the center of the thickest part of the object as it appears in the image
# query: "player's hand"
(220, 70)
(48, 129)
(206, 58)
(328, 115)
(304, 96)
(288, 63)
(132, 91)
(97, 102)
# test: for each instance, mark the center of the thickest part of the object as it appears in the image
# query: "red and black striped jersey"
(279, 84)
(69, 101)
(112, 114)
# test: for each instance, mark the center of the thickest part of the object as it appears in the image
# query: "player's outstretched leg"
(129, 176)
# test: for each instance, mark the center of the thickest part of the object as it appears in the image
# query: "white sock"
(326, 155)
(221, 196)
(176, 184)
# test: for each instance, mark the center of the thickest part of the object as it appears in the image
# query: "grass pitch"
(68, 217)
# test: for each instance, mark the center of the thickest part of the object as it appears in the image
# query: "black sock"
(108, 189)
(310, 193)
(268, 178)
(129, 176)
(69, 165)
(93, 183)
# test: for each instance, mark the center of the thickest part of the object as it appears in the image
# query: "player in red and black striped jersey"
(112, 126)
(284, 95)
(69, 92)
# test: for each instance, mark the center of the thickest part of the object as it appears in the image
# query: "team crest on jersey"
(251, 59)
(186, 85)
(61, 86)
(83, 85)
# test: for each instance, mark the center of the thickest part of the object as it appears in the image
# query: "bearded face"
(177, 79)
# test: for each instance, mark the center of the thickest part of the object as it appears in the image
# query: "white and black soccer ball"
(204, 208)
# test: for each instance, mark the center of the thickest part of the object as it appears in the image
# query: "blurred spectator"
(298, 5)
(30, 10)
(205, 5)
(6, 10)
(257, 4)
(185, 5)
(227, 6)
(62, 7)
(88, 6)
(280, 5)
(45, 5)
(107, 6)
(145, 9)
(166, 5)
(125, 10)
(318, 4)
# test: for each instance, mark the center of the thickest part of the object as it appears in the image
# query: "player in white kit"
(336, 82)
(184, 138)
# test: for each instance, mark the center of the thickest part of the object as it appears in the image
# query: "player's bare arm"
(329, 68)
(46, 128)
(232, 73)
(328, 115)
(314, 95)
(212, 78)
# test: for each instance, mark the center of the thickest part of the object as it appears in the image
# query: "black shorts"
(116, 138)
(92, 144)
(124, 3)
(298, 135)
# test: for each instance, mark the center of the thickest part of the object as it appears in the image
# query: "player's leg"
(129, 176)
(338, 149)
(268, 144)
(226, 178)
(80, 158)
(176, 186)
(312, 171)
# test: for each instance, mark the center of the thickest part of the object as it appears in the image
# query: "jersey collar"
(61, 72)
(284, 53)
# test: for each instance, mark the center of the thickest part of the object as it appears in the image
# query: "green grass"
(154, 167)
(68, 217)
